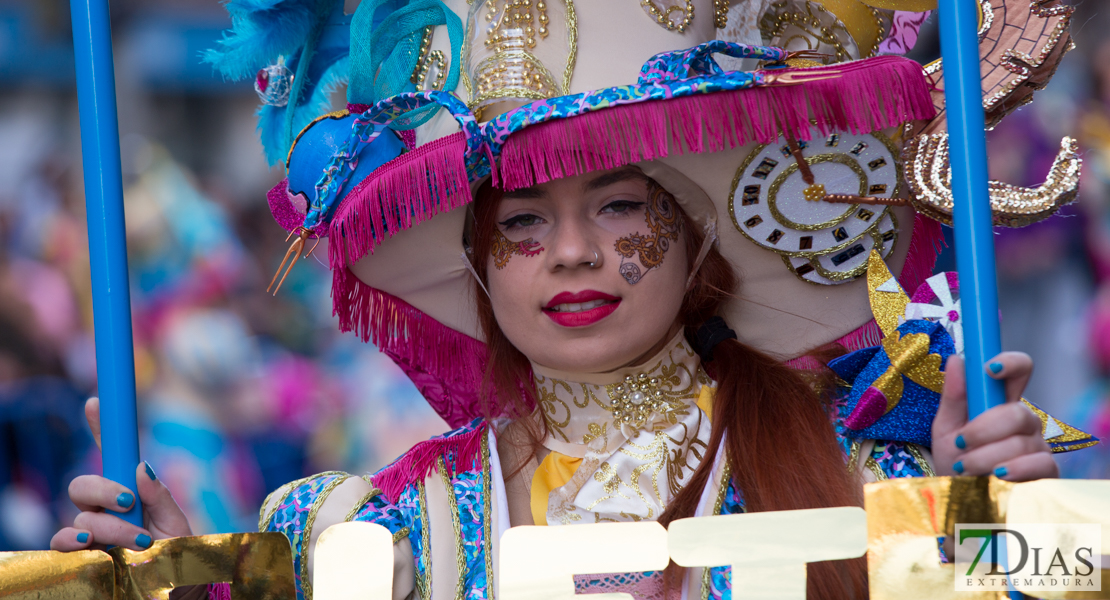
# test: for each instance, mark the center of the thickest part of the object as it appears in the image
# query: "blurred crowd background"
(241, 391)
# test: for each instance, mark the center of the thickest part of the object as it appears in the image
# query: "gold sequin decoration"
(888, 307)
(662, 15)
(1071, 434)
(926, 161)
(429, 58)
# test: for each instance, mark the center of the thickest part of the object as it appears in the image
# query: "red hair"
(782, 451)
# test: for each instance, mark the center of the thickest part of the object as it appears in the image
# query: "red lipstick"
(566, 308)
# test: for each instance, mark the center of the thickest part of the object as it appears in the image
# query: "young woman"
(625, 297)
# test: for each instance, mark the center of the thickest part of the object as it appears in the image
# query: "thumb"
(161, 511)
(952, 413)
(92, 415)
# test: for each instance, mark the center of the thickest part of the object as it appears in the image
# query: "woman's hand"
(98, 498)
(1005, 441)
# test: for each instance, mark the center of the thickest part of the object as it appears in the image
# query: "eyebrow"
(623, 174)
(527, 193)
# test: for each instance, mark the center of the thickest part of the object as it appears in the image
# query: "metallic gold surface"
(258, 566)
(354, 561)
(904, 519)
(927, 171)
(906, 5)
(88, 574)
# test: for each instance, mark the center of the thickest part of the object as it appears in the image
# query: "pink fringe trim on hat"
(865, 96)
(419, 462)
(400, 194)
(445, 365)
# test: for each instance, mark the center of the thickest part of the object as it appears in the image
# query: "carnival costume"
(818, 175)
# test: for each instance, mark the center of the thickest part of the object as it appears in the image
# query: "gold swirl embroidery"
(503, 249)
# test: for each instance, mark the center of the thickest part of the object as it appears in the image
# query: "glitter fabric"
(902, 378)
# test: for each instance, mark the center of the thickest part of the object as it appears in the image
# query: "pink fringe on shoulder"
(446, 365)
(400, 194)
(864, 96)
(422, 459)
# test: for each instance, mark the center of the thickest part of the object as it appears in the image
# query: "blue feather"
(261, 31)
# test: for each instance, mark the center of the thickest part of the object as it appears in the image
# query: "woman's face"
(587, 274)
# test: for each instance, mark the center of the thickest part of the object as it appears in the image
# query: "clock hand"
(850, 199)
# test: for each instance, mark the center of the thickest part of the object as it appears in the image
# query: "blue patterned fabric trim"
(290, 517)
(895, 460)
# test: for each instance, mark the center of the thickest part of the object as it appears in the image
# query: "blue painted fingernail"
(961, 443)
(958, 467)
(1000, 472)
(995, 367)
(82, 538)
(143, 540)
(125, 499)
(149, 471)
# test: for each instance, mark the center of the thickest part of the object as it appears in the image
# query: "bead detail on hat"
(273, 84)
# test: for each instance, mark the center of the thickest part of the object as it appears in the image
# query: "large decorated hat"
(792, 130)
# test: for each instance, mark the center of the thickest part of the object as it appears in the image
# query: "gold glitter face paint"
(503, 249)
(642, 253)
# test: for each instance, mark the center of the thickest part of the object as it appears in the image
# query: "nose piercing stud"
(594, 262)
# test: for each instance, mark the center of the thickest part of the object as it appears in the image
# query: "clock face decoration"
(773, 205)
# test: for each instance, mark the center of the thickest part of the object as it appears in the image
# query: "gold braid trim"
(424, 584)
(453, 503)
(488, 515)
(306, 537)
(572, 57)
(915, 451)
(362, 502)
(853, 455)
(264, 518)
(872, 464)
(401, 534)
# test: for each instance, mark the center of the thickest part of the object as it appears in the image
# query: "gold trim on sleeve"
(264, 518)
(915, 452)
(424, 583)
(487, 517)
(401, 534)
(362, 502)
(306, 536)
(456, 524)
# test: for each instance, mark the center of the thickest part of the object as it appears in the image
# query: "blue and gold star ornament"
(895, 387)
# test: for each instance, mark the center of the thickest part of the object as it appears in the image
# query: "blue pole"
(115, 358)
(971, 213)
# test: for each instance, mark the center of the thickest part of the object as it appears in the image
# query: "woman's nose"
(574, 245)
